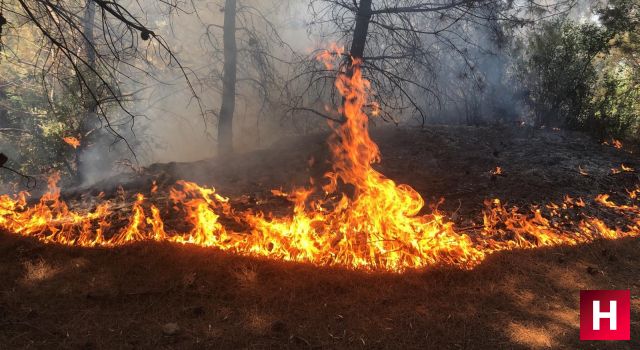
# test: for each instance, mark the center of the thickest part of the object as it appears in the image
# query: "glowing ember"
(616, 143)
(72, 141)
(582, 171)
(376, 224)
(626, 168)
(496, 171)
(622, 168)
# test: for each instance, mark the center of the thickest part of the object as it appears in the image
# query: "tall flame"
(358, 219)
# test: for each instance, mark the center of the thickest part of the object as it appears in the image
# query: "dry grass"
(531, 336)
(246, 276)
(123, 298)
(38, 271)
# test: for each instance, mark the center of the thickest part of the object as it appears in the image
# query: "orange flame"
(361, 220)
(622, 168)
(626, 168)
(327, 56)
(616, 143)
(72, 141)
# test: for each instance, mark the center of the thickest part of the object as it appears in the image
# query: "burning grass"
(355, 218)
(194, 215)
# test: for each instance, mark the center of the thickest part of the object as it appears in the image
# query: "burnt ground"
(150, 296)
(442, 162)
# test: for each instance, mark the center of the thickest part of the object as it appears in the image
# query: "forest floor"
(164, 296)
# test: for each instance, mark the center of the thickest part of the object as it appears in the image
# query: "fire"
(357, 219)
(496, 171)
(616, 143)
(72, 141)
(622, 168)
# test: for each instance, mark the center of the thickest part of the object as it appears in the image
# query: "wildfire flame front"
(377, 225)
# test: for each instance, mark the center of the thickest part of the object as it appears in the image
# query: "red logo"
(605, 315)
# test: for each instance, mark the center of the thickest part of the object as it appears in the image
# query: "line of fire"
(319, 174)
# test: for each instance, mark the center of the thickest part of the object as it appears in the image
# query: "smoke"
(171, 122)
(473, 84)
(476, 82)
(175, 125)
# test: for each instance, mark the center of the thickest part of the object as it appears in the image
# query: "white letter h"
(598, 315)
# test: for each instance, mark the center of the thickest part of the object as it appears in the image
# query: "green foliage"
(36, 111)
(558, 70)
(586, 76)
(614, 108)
(615, 104)
(44, 98)
(620, 16)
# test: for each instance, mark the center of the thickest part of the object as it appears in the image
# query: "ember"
(616, 143)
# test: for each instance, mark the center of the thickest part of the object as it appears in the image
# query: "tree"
(558, 70)
(585, 76)
(87, 121)
(93, 60)
(227, 108)
(614, 110)
(249, 57)
(408, 34)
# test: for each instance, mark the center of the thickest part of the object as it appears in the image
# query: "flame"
(357, 219)
(327, 56)
(622, 168)
(72, 141)
(375, 109)
(616, 143)
(496, 171)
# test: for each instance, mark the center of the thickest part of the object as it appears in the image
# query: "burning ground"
(351, 216)
(348, 219)
(129, 296)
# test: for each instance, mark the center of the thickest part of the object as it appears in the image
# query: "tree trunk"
(90, 104)
(4, 112)
(225, 121)
(89, 20)
(363, 16)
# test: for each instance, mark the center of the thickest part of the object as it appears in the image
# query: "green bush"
(585, 76)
